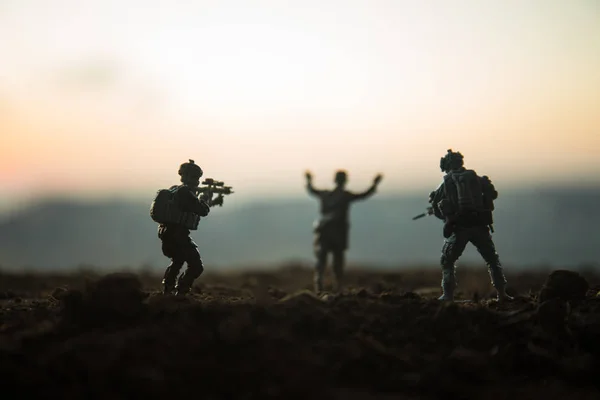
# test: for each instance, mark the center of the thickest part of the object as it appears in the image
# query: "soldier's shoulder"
(183, 188)
(465, 172)
(447, 177)
(462, 171)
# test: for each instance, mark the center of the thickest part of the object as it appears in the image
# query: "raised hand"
(308, 176)
(377, 179)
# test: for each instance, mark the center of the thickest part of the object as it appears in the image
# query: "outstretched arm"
(369, 192)
(309, 186)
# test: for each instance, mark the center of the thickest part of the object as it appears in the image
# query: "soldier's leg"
(194, 269)
(338, 269)
(170, 249)
(451, 251)
(482, 240)
(320, 265)
(321, 250)
(170, 276)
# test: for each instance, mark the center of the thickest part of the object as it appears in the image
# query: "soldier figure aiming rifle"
(178, 210)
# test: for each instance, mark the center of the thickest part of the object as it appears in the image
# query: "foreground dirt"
(262, 335)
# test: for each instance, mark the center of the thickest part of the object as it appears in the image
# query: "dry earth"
(263, 335)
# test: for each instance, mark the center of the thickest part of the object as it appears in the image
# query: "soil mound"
(113, 339)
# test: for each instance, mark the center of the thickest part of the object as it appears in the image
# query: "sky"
(107, 98)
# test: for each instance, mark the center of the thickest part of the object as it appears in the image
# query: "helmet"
(452, 160)
(190, 168)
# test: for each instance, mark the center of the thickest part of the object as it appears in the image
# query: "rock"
(303, 297)
(565, 285)
(113, 297)
(58, 293)
(277, 293)
(116, 292)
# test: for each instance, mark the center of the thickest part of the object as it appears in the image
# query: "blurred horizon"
(106, 98)
(236, 202)
(536, 227)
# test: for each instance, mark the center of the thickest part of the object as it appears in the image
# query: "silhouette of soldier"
(465, 202)
(332, 228)
(176, 241)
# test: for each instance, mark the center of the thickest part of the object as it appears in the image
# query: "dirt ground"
(260, 335)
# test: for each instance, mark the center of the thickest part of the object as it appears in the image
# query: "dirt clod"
(565, 285)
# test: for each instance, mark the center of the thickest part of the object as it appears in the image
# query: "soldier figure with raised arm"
(465, 201)
(332, 228)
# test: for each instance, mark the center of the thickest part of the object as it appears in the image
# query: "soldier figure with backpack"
(178, 210)
(332, 228)
(465, 202)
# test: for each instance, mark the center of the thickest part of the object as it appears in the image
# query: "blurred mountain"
(550, 227)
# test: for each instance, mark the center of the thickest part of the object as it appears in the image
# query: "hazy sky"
(101, 97)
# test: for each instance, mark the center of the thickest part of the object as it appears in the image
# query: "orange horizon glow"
(110, 97)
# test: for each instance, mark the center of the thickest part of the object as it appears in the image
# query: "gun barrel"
(212, 182)
(420, 216)
(213, 189)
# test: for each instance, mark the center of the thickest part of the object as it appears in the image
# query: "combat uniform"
(463, 227)
(179, 246)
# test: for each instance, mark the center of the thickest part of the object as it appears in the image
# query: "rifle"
(213, 187)
(448, 222)
(425, 214)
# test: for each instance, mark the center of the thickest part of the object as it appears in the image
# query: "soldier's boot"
(170, 276)
(186, 280)
(168, 287)
(502, 296)
(183, 287)
(499, 281)
(448, 284)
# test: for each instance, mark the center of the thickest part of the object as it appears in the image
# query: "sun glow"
(259, 92)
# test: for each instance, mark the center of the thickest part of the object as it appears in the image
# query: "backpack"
(465, 191)
(162, 204)
(164, 210)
